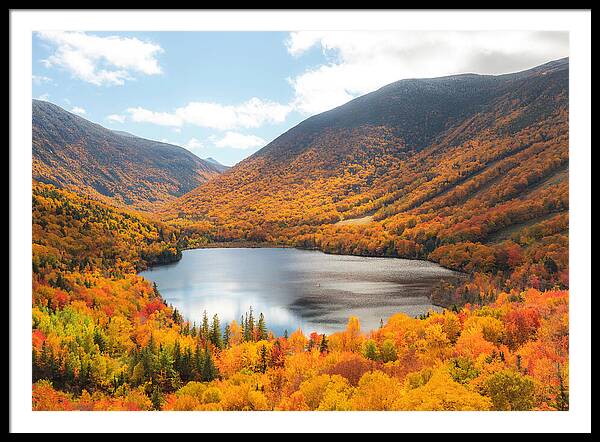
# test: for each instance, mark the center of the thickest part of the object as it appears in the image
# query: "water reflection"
(296, 288)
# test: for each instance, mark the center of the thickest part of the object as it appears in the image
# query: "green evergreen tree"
(35, 368)
(205, 329)
(167, 377)
(370, 350)
(261, 328)
(85, 376)
(209, 369)
(177, 318)
(562, 398)
(157, 397)
(226, 336)
(155, 291)
(177, 356)
(251, 325)
(243, 327)
(187, 368)
(198, 362)
(262, 364)
(323, 348)
(99, 339)
(215, 333)
(152, 344)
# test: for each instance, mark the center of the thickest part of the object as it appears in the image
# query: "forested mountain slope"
(104, 339)
(72, 152)
(446, 169)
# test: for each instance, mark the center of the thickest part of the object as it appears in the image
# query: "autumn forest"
(468, 171)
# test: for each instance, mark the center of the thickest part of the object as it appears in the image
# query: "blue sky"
(227, 94)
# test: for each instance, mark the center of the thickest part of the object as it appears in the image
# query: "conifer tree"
(198, 361)
(177, 356)
(205, 330)
(209, 370)
(156, 397)
(155, 291)
(324, 346)
(247, 333)
(187, 369)
(263, 359)
(226, 336)
(35, 369)
(177, 318)
(152, 344)
(261, 328)
(215, 332)
(562, 398)
(243, 327)
(167, 375)
(251, 325)
(99, 339)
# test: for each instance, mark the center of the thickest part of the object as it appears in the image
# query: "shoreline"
(269, 245)
(240, 245)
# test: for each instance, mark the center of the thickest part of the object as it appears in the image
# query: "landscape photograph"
(319, 220)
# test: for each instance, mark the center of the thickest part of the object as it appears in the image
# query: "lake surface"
(296, 288)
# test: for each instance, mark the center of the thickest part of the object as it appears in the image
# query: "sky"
(225, 95)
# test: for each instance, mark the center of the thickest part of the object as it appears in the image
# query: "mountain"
(72, 152)
(420, 168)
(222, 167)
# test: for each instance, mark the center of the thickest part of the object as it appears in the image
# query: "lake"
(296, 288)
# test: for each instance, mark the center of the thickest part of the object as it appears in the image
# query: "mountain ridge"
(73, 152)
(310, 123)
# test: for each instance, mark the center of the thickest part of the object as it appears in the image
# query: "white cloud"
(141, 115)
(41, 79)
(193, 144)
(250, 114)
(44, 97)
(237, 140)
(78, 110)
(115, 118)
(361, 62)
(99, 60)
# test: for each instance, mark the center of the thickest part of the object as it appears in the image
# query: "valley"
(467, 173)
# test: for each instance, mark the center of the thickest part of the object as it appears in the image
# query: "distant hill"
(216, 163)
(72, 152)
